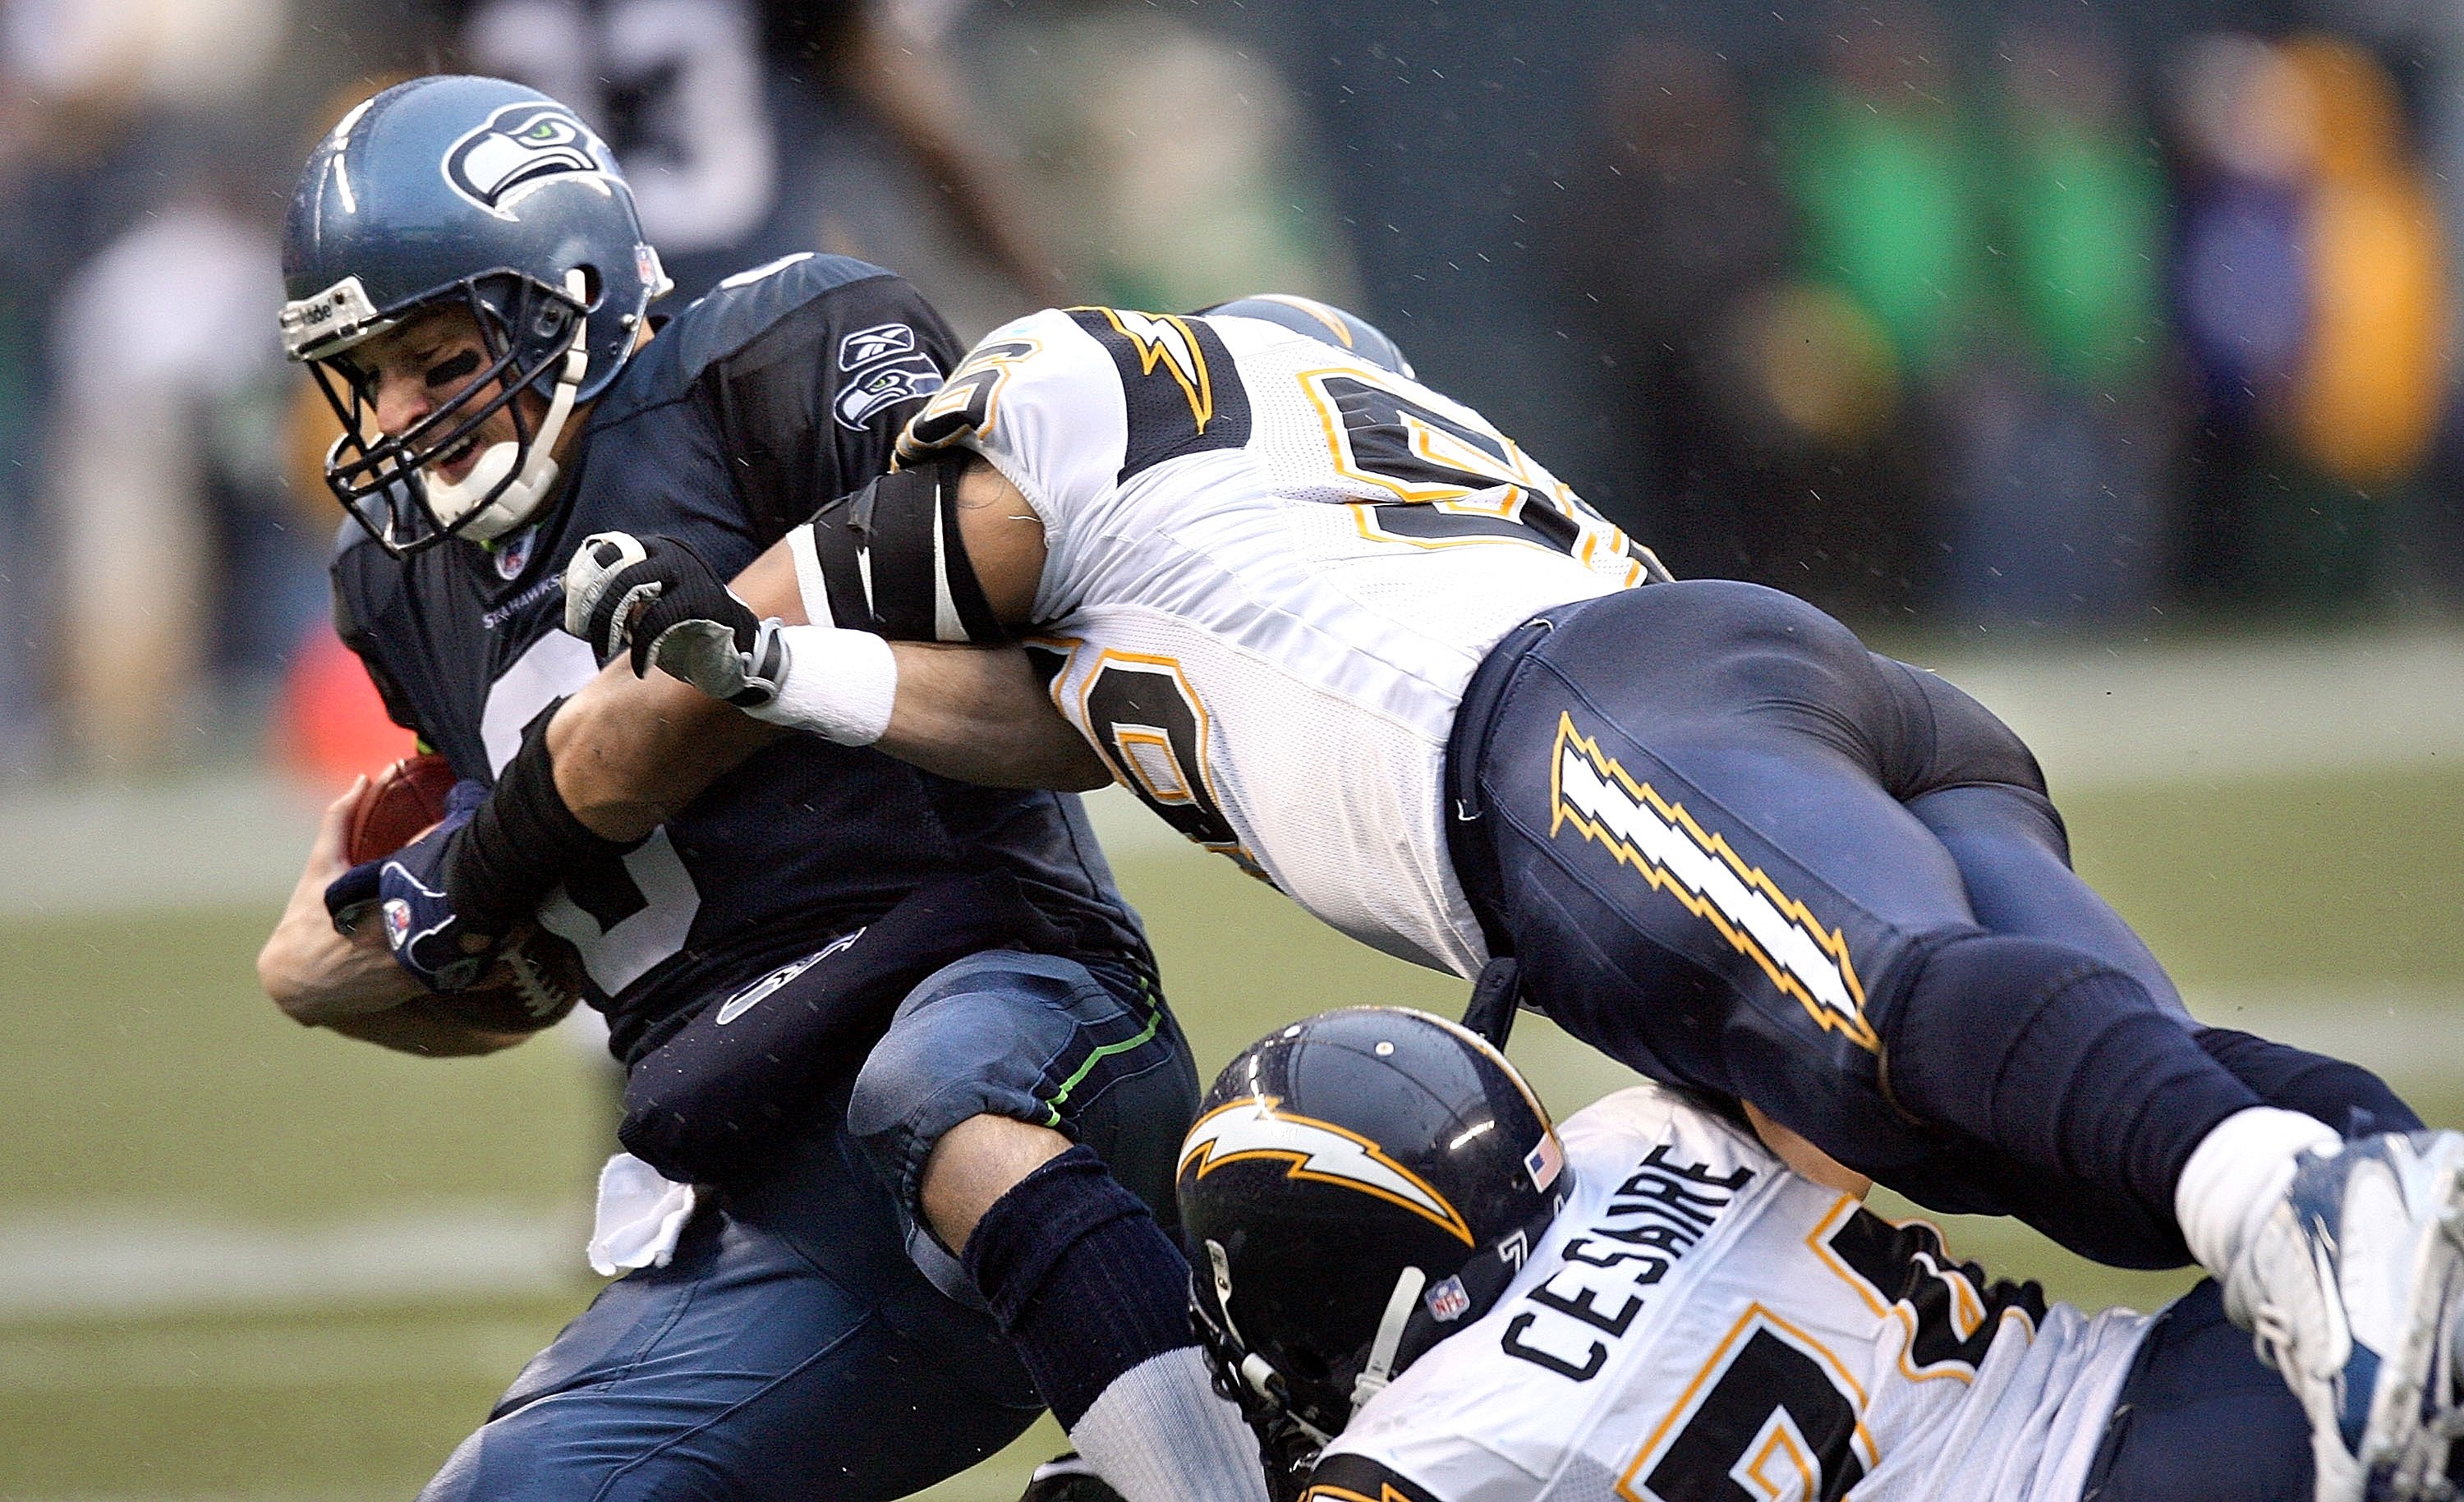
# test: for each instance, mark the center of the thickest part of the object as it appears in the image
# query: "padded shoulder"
(727, 318)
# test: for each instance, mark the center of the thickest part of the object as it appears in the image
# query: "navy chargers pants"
(1734, 848)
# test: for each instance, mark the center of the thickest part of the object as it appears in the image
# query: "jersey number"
(1457, 479)
(625, 919)
(1151, 728)
(1779, 1423)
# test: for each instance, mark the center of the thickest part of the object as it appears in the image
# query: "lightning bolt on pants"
(1734, 849)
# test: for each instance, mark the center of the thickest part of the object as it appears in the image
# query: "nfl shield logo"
(513, 554)
(397, 921)
(1448, 1301)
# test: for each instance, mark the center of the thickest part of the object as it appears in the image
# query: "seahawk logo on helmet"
(516, 146)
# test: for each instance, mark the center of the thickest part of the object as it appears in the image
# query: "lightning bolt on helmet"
(1319, 320)
(481, 194)
(1357, 1188)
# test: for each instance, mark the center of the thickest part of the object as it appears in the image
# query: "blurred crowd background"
(2021, 317)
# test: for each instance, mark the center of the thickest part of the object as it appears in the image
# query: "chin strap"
(448, 500)
(1380, 1369)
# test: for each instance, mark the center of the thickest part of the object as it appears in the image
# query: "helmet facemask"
(531, 334)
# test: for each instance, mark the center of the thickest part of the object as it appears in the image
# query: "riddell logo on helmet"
(518, 144)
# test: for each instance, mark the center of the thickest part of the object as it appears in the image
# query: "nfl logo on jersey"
(1448, 1301)
(397, 922)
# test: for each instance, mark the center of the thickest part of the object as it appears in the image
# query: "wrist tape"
(838, 685)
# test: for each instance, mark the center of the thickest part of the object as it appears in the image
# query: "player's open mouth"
(455, 462)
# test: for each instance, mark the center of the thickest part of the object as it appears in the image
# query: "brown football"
(405, 802)
(538, 976)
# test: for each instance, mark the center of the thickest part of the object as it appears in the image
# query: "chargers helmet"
(479, 193)
(1357, 1188)
(1319, 320)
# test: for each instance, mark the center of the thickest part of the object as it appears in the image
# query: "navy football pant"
(796, 1346)
(2200, 1420)
(1734, 848)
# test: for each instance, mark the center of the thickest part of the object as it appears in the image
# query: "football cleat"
(1068, 1478)
(2351, 1288)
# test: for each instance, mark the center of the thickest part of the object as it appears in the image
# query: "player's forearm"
(979, 714)
(630, 751)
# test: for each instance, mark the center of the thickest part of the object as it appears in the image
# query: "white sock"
(1162, 1433)
(2236, 1174)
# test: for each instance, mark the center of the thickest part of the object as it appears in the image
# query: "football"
(405, 802)
(538, 976)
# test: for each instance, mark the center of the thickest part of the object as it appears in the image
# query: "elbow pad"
(889, 559)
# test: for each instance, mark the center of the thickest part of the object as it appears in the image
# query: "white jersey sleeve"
(1699, 1319)
(1271, 567)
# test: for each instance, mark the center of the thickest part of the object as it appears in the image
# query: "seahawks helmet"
(1319, 320)
(1357, 1188)
(476, 193)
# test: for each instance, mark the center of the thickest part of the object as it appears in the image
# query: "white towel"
(641, 1214)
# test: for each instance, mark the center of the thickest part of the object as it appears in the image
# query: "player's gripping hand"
(406, 891)
(655, 599)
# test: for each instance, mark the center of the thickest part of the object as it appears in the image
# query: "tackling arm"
(883, 561)
(630, 751)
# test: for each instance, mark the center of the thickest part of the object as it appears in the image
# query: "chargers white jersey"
(1273, 567)
(1700, 1323)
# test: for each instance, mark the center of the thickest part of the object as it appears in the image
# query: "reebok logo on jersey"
(768, 986)
(1319, 1151)
(879, 342)
(1591, 795)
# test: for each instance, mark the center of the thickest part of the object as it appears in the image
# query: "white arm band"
(838, 685)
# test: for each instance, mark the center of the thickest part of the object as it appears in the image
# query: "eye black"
(460, 367)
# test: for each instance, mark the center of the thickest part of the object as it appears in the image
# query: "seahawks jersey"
(1272, 567)
(758, 402)
(1701, 1323)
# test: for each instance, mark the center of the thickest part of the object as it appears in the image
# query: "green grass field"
(148, 1084)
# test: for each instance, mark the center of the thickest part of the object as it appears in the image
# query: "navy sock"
(2348, 1098)
(2060, 1062)
(1081, 1279)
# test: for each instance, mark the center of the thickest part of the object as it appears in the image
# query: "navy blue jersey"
(774, 393)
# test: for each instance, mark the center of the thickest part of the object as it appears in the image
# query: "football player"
(1428, 1295)
(469, 284)
(1333, 623)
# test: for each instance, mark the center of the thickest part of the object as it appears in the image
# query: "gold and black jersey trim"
(1356, 1479)
(1178, 387)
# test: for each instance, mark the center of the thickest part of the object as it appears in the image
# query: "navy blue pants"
(2200, 1420)
(809, 1340)
(1732, 848)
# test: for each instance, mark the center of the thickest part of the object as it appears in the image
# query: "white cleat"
(2353, 1288)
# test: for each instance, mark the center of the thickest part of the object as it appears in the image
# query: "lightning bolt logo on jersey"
(1317, 1150)
(1321, 550)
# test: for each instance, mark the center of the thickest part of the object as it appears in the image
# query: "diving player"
(1429, 1296)
(1333, 625)
(471, 286)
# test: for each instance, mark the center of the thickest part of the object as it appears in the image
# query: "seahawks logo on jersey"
(519, 144)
